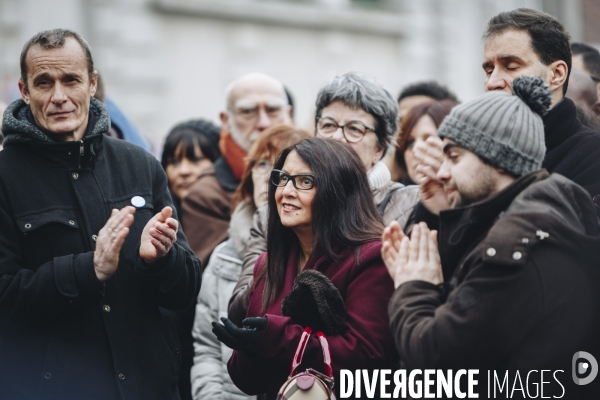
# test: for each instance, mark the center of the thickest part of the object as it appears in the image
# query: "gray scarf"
(17, 127)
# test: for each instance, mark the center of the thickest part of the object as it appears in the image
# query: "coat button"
(525, 240)
(27, 226)
(177, 350)
(491, 252)
(121, 377)
(75, 175)
(72, 222)
(94, 237)
(106, 308)
(517, 255)
(47, 375)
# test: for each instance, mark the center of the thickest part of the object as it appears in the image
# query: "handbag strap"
(326, 353)
(302, 346)
(300, 350)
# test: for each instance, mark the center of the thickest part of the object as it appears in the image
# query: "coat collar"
(379, 176)
(462, 227)
(18, 127)
(20, 130)
(560, 123)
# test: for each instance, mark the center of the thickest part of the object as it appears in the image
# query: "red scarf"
(233, 153)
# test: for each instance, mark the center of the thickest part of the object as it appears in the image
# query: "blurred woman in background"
(190, 147)
(321, 217)
(210, 379)
(418, 133)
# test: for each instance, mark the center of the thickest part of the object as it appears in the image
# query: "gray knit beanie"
(505, 130)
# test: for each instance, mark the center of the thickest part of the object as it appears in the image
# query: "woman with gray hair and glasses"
(352, 108)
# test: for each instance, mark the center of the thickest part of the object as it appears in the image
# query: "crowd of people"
(412, 232)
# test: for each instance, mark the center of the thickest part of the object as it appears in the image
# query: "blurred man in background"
(582, 90)
(254, 102)
(587, 59)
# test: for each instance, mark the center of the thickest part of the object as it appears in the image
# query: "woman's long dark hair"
(343, 211)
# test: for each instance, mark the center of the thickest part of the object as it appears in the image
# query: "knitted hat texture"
(505, 130)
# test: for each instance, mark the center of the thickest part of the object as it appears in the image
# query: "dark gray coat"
(64, 334)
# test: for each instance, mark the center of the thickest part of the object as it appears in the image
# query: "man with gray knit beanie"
(521, 247)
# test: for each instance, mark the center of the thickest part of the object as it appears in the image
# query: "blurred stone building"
(168, 60)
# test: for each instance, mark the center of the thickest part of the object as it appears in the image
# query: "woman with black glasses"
(209, 376)
(321, 217)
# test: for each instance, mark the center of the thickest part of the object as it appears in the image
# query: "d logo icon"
(583, 367)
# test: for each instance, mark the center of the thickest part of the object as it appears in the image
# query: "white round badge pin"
(138, 201)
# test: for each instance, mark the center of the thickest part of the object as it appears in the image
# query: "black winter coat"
(64, 334)
(572, 149)
(524, 295)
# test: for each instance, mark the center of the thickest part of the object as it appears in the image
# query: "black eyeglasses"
(353, 131)
(300, 182)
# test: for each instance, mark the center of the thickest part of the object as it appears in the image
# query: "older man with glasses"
(254, 102)
(352, 108)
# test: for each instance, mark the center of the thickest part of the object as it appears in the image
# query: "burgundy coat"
(366, 289)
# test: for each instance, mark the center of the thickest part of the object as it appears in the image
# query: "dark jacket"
(524, 293)
(63, 333)
(207, 208)
(366, 288)
(572, 149)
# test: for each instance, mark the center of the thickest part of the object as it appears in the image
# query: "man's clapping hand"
(110, 241)
(411, 259)
(159, 235)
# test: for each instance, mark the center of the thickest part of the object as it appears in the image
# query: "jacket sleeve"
(51, 290)
(483, 319)
(368, 344)
(401, 205)
(206, 374)
(176, 277)
(238, 304)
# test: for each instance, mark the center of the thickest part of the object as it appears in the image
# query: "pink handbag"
(310, 384)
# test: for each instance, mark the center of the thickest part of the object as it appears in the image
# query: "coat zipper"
(81, 152)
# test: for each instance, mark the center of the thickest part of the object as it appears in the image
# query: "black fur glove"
(314, 301)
